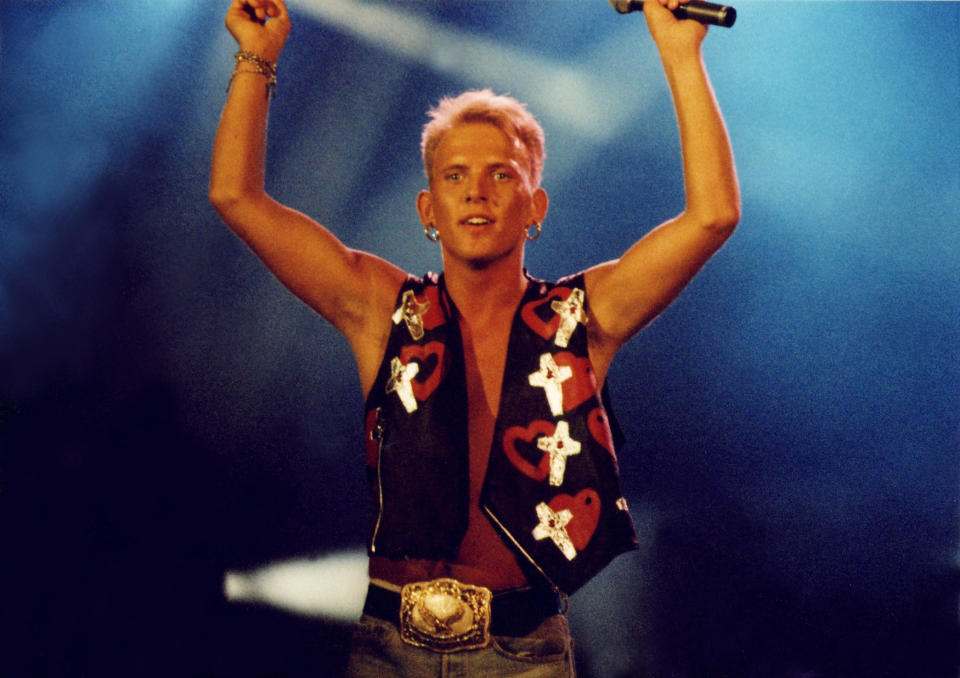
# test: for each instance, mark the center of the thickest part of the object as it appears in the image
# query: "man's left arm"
(628, 293)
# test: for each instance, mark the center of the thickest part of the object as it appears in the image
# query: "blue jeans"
(378, 652)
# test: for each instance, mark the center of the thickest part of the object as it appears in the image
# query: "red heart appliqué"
(585, 508)
(431, 371)
(599, 426)
(434, 316)
(528, 435)
(578, 390)
(548, 328)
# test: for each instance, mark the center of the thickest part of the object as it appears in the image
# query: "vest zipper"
(556, 589)
(377, 434)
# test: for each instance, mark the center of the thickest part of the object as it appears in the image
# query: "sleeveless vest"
(551, 488)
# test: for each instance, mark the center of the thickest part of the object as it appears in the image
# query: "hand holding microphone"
(704, 12)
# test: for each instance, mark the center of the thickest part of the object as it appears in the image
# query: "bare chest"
(485, 355)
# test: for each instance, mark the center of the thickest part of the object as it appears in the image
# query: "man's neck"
(478, 292)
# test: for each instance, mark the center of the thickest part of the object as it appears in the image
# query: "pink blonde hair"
(504, 112)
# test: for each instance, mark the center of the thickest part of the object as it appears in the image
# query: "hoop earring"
(433, 235)
(538, 227)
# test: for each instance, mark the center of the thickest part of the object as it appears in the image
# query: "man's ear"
(425, 207)
(540, 203)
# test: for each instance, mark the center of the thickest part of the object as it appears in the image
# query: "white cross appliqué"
(550, 378)
(401, 383)
(553, 524)
(559, 446)
(411, 312)
(570, 312)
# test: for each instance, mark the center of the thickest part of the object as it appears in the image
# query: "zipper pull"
(376, 431)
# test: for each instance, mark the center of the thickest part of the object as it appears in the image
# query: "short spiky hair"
(504, 112)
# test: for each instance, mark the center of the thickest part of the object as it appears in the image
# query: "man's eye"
(454, 176)
(501, 176)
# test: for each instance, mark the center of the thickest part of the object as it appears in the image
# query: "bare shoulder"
(602, 341)
(366, 319)
(601, 294)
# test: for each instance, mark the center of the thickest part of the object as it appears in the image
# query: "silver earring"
(537, 228)
(433, 235)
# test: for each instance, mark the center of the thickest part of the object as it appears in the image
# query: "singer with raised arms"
(489, 447)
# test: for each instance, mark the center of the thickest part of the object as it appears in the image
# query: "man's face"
(481, 199)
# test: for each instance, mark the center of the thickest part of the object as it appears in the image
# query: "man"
(489, 449)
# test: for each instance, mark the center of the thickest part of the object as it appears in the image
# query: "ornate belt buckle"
(445, 615)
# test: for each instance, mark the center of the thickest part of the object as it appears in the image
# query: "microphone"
(704, 12)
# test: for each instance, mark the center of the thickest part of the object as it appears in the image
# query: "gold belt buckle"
(445, 615)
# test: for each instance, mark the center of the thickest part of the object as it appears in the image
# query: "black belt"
(512, 613)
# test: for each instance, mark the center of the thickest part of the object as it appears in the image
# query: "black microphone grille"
(624, 6)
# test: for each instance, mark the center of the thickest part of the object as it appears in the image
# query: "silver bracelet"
(260, 65)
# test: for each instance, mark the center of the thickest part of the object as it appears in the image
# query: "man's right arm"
(355, 291)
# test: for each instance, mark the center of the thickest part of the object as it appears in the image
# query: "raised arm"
(628, 293)
(353, 290)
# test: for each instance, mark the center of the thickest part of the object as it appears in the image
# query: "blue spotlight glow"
(587, 96)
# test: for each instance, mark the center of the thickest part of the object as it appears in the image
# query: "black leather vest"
(551, 488)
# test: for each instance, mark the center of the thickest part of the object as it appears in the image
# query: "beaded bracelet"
(260, 65)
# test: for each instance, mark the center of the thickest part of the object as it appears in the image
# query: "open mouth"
(476, 221)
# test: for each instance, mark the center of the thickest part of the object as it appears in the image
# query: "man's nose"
(476, 190)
